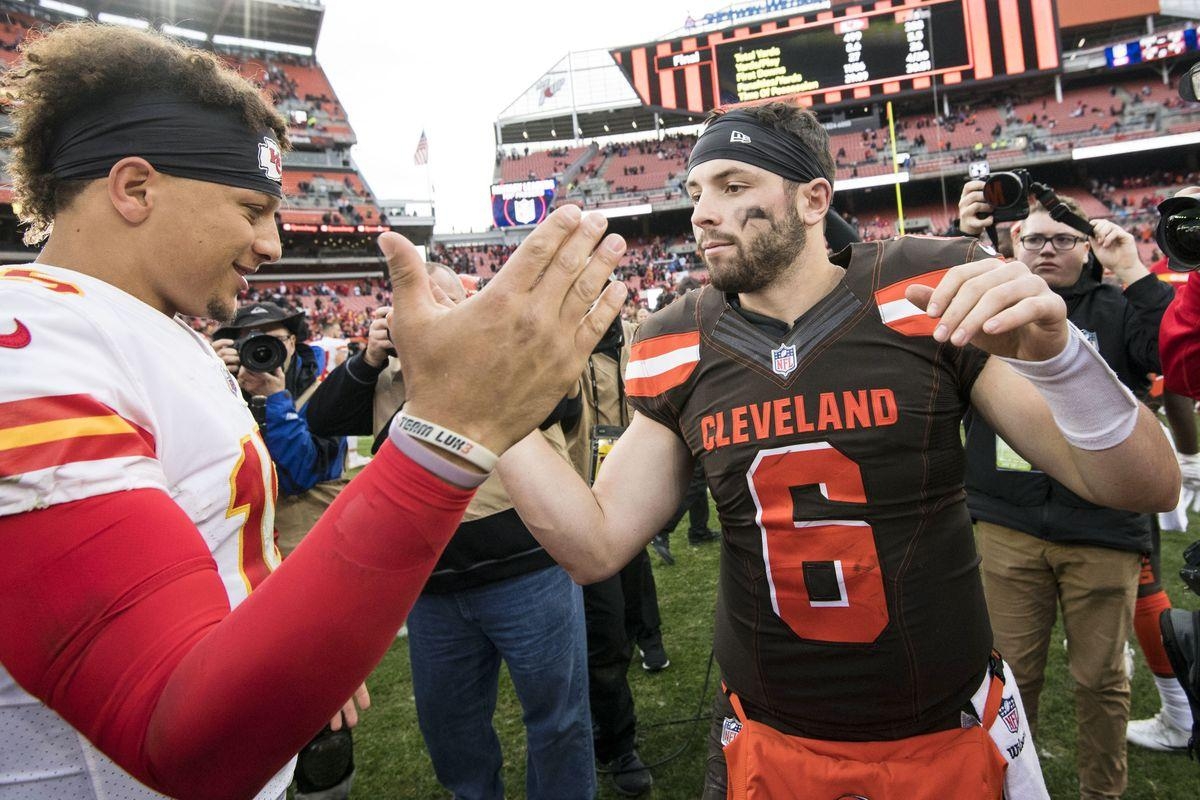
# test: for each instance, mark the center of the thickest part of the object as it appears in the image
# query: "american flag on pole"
(422, 154)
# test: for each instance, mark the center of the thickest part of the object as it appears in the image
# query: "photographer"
(302, 459)
(1179, 339)
(1179, 343)
(495, 595)
(309, 469)
(1040, 543)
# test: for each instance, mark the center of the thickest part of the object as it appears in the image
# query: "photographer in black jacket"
(1041, 544)
(495, 595)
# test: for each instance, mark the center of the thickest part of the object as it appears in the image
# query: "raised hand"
(492, 367)
(998, 306)
(974, 215)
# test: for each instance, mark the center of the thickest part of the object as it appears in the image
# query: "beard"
(220, 309)
(767, 256)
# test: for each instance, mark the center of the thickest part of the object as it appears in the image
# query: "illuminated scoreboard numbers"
(918, 59)
(855, 68)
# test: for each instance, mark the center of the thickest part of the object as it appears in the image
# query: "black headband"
(738, 136)
(178, 137)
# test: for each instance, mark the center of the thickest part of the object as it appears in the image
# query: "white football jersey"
(335, 349)
(102, 393)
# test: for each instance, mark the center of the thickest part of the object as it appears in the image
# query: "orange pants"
(764, 764)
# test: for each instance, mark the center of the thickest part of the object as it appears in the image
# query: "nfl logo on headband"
(270, 159)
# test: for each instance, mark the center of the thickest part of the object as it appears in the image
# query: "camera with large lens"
(1178, 232)
(261, 352)
(1008, 195)
(1191, 567)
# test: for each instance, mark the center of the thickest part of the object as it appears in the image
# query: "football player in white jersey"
(136, 497)
(335, 346)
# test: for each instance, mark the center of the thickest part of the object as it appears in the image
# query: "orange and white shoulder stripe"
(661, 363)
(902, 316)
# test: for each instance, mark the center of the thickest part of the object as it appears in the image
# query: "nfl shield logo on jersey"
(1010, 714)
(729, 731)
(783, 360)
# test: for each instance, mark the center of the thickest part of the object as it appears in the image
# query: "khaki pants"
(1024, 580)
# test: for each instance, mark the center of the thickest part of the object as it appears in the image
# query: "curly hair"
(85, 64)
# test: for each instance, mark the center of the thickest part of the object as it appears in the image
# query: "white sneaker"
(1189, 469)
(1155, 734)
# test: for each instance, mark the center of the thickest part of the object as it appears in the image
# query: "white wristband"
(1092, 408)
(448, 440)
(434, 463)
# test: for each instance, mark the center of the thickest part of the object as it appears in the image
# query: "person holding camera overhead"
(1040, 543)
(264, 349)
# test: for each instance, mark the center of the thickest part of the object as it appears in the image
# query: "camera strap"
(620, 391)
(1059, 212)
(991, 232)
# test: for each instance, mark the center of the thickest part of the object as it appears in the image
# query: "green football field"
(672, 705)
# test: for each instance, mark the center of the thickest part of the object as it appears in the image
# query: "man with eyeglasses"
(1042, 545)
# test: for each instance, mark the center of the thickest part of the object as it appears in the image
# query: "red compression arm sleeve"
(113, 614)
(1179, 340)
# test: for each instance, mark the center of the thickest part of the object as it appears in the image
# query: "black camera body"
(1008, 195)
(1191, 567)
(1178, 232)
(261, 352)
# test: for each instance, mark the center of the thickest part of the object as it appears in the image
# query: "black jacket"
(1124, 327)
(343, 405)
(482, 551)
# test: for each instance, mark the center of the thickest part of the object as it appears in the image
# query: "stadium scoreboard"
(522, 203)
(845, 53)
(852, 53)
(1152, 48)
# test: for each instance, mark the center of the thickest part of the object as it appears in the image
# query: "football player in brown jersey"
(823, 397)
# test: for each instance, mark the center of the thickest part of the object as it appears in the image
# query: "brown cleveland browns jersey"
(850, 605)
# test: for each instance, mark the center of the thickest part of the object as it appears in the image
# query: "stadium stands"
(1000, 129)
(538, 164)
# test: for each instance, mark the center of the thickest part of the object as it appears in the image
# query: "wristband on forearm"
(1090, 405)
(406, 431)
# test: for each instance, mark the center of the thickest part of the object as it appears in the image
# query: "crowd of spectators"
(1004, 126)
(12, 34)
(478, 259)
(349, 303)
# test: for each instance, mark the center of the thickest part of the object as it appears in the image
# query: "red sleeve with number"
(1179, 341)
(113, 614)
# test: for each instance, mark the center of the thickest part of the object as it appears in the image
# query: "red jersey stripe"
(54, 453)
(43, 432)
(18, 413)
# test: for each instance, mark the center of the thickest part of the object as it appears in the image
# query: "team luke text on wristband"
(448, 440)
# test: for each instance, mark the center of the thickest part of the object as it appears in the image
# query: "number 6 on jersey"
(825, 579)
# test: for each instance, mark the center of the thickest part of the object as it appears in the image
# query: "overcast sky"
(449, 67)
